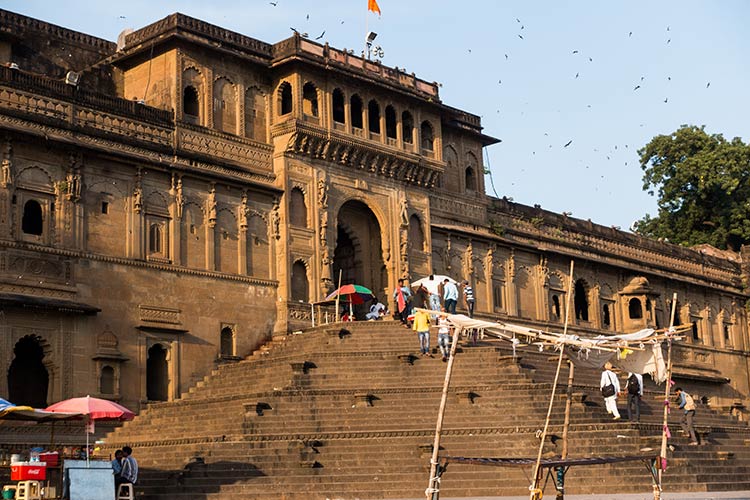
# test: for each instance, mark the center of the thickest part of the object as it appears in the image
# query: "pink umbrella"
(92, 409)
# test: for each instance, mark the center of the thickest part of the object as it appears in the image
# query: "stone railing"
(187, 23)
(668, 257)
(47, 87)
(18, 22)
(451, 207)
(347, 60)
(309, 314)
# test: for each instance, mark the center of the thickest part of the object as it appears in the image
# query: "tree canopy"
(703, 186)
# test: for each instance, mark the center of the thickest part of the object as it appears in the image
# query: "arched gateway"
(359, 255)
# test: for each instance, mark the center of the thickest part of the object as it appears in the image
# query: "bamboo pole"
(663, 454)
(535, 478)
(433, 489)
(566, 425)
(338, 296)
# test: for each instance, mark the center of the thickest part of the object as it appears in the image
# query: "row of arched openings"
(310, 107)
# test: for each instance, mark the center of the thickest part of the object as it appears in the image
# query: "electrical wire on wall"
(488, 171)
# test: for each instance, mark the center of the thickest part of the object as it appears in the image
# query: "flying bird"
(630, 34)
(708, 84)
(122, 17)
(575, 52)
(666, 99)
(307, 17)
(321, 35)
(499, 82)
(518, 20)
(576, 75)
(637, 87)
(274, 3)
(591, 59)
(669, 40)
(568, 143)
(521, 37)
(506, 57)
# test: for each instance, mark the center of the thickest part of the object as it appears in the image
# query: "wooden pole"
(433, 485)
(533, 489)
(338, 297)
(663, 454)
(568, 403)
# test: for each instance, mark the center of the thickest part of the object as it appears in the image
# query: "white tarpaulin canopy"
(638, 352)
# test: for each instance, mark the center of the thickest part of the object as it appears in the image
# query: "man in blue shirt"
(450, 296)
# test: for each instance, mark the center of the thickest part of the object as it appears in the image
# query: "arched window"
(225, 106)
(32, 222)
(390, 122)
(297, 208)
(28, 379)
(107, 380)
(190, 104)
(226, 342)
(428, 136)
(555, 307)
(497, 296)
(155, 239)
(471, 180)
(299, 282)
(606, 320)
(339, 112)
(416, 235)
(373, 112)
(285, 98)
(635, 309)
(407, 123)
(255, 114)
(581, 301)
(310, 99)
(355, 107)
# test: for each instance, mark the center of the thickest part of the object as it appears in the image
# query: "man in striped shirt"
(469, 298)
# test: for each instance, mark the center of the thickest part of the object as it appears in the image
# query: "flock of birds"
(566, 143)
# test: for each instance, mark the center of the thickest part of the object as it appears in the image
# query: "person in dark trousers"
(468, 298)
(634, 388)
(117, 467)
(402, 296)
(688, 405)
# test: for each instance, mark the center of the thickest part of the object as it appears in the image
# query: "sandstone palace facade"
(172, 201)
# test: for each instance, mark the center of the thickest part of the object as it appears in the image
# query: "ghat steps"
(348, 411)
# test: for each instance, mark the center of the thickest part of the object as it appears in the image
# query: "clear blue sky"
(531, 99)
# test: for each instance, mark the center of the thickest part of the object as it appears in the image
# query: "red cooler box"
(28, 471)
(52, 459)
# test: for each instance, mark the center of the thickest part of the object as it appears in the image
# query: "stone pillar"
(137, 243)
(211, 228)
(175, 230)
(512, 292)
(6, 191)
(242, 250)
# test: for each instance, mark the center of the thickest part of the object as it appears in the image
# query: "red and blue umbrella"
(355, 294)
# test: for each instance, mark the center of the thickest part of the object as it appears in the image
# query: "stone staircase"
(348, 411)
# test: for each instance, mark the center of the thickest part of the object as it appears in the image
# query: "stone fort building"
(174, 200)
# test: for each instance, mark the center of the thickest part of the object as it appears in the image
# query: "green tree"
(703, 186)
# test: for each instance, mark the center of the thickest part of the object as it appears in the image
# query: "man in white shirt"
(610, 401)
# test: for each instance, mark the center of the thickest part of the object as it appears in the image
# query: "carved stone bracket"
(359, 156)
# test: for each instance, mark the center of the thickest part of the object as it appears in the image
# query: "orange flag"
(372, 5)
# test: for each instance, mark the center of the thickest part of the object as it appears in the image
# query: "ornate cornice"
(343, 150)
